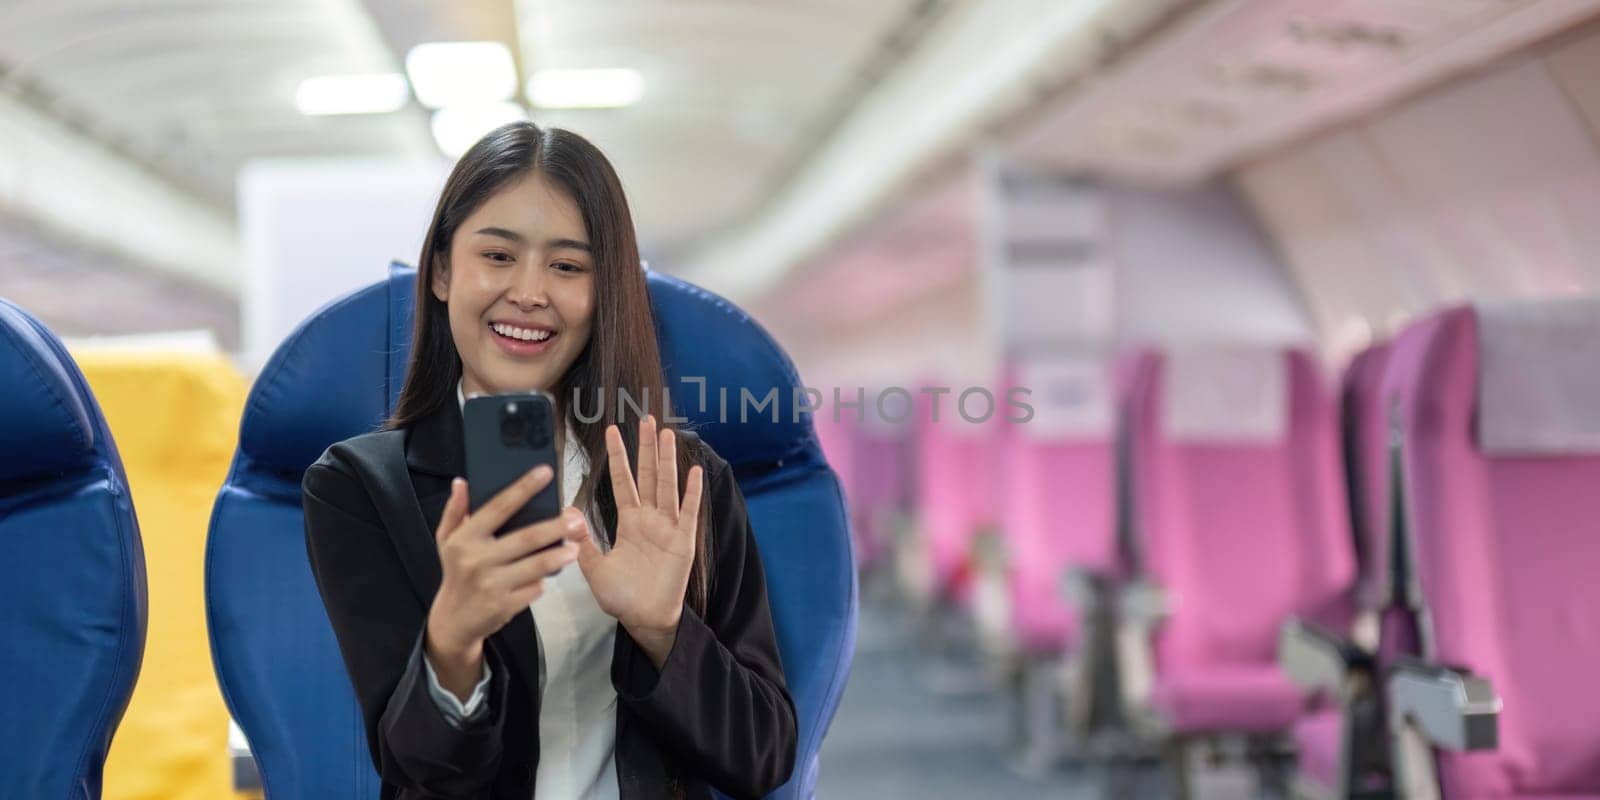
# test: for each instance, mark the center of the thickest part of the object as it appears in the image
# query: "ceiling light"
(585, 88)
(352, 94)
(457, 129)
(445, 74)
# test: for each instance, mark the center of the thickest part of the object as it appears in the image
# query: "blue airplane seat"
(795, 502)
(74, 612)
(339, 374)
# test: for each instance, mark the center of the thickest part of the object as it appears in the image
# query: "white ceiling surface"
(185, 92)
(194, 88)
(95, 292)
(735, 92)
(768, 129)
(871, 307)
(926, 244)
(1485, 188)
(93, 202)
(1240, 76)
(980, 64)
(123, 124)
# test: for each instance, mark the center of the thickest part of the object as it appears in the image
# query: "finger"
(577, 524)
(523, 596)
(530, 539)
(667, 470)
(589, 555)
(488, 518)
(622, 487)
(689, 514)
(539, 565)
(455, 510)
(647, 462)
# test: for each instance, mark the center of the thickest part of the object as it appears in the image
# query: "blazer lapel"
(434, 455)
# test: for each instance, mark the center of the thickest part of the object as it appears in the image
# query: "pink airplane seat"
(1319, 742)
(1340, 745)
(1499, 426)
(958, 486)
(881, 483)
(1236, 522)
(1059, 499)
(1038, 571)
(836, 433)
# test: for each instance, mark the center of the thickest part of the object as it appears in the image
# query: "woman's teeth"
(525, 334)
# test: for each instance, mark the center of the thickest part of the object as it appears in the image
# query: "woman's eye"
(567, 266)
(503, 258)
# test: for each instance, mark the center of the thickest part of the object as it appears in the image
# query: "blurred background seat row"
(1367, 585)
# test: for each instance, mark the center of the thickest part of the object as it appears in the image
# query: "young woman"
(483, 668)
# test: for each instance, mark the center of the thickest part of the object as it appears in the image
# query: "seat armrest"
(1316, 658)
(1143, 603)
(246, 773)
(1453, 708)
(1138, 607)
(1085, 589)
(989, 550)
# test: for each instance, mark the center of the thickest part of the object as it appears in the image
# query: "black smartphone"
(506, 436)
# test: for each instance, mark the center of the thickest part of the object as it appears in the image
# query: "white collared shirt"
(578, 708)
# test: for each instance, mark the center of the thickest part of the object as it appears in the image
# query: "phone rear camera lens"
(539, 435)
(513, 429)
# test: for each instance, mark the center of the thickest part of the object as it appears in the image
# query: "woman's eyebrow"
(568, 244)
(552, 244)
(503, 233)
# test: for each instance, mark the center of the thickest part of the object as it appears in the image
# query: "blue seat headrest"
(42, 415)
(295, 411)
(293, 414)
(702, 335)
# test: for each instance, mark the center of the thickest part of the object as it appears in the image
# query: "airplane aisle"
(895, 737)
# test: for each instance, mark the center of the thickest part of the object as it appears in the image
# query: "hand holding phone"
(505, 437)
(488, 580)
(501, 533)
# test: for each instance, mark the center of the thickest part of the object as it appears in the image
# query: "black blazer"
(718, 714)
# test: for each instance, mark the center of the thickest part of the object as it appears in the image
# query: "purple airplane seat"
(1341, 747)
(958, 485)
(1498, 425)
(1056, 542)
(1236, 523)
(1059, 499)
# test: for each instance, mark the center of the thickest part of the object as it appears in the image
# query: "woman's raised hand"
(488, 579)
(641, 580)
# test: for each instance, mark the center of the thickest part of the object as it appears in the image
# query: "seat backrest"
(1234, 498)
(1386, 619)
(1364, 434)
(176, 417)
(836, 435)
(879, 484)
(1058, 499)
(796, 504)
(957, 482)
(1502, 529)
(338, 375)
(74, 611)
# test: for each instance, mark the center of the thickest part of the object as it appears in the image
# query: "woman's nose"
(527, 290)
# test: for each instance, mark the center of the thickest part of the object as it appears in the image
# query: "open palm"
(641, 580)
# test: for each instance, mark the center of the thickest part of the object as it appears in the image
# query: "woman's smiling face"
(519, 285)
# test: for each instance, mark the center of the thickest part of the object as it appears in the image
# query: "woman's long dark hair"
(621, 355)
